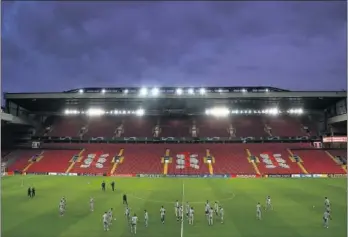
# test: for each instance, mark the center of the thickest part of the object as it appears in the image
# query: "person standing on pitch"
(113, 185)
(103, 186)
(125, 199)
(32, 192)
(29, 192)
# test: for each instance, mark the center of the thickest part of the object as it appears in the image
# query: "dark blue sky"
(55, 46)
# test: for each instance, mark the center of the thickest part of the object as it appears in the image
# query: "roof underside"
(168, 99)
(193, 104)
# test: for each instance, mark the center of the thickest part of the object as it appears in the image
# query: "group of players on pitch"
(179, 213)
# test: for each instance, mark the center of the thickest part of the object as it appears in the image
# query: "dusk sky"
(56, 46)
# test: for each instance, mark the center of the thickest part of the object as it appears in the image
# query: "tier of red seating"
(147, 159)
(244, 126)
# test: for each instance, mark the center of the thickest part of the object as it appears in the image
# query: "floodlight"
(267, 90)
(155, 91)
(179, 91)
(80, 91)
(202, 91)
(124, 112)
(95, 112)
(103, 91)
(125, 91)
(191, 91)
(207, 111)
(273, 111)
(143, 91)
(66, 112)
(218, 112)
(244, 90)
(220, 90)
(140, 112)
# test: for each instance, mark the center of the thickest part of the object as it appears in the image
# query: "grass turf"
(293, 200)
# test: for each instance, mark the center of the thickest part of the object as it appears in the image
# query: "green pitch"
(298, 206)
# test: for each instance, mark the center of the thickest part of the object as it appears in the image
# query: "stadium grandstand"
(229, 131)
(231, 147)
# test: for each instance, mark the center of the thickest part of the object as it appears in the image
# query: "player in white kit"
(221, 211)
(163, 214)
(326, 218)
(216, 208)
(63, 200)
(105, 221)
(176, 208)
(146, 218)
(258, 211)
(191, 216)
(181, 211)
(110, 216)
(91, 204)
(134, 221)
(127, 213)
(327, 204)
(187, 209)
(268, 203)
(211, 216)
(61, 208)
(206, 210)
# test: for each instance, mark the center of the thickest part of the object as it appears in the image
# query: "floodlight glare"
(103, 91)
(220, 90)
(66, 112)
(218, 112)
(202, 91)
(143, 91)
(125, 91)
(244, 90)
(179, 91)
(155, 91)
(191, 91)
(80, 91)
(95, 112)
(140, 112)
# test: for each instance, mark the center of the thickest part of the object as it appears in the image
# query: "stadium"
(230, 145)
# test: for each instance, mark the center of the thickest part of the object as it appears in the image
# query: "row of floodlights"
(179, 91)
(222, 112)
(99, 112)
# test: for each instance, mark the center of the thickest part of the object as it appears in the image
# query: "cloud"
(50, 46)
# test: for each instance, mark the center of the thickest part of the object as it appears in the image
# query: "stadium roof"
(189, 99)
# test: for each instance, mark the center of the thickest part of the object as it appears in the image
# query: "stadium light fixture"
(202, 91)
(125, 91)
(155, 91)
(143, 91)
(218, 112)
(191, 91)
(273, 111)
(295, 111)
(140, 112)
(267, 90)
(220, 90)
(103, 91)
(244, 90)
(178, 91)
(95, 112)
(80, 91)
